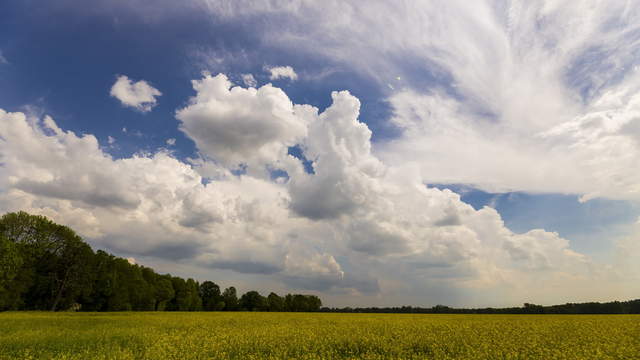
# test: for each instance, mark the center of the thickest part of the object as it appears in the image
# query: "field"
(316, 336)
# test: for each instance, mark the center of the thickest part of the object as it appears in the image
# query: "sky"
(379, 154)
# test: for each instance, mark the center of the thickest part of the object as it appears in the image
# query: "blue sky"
(86, 52)
(534, 120)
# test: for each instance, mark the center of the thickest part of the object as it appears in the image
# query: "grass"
(316, 336)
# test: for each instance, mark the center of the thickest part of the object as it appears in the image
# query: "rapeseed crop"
(225, 335)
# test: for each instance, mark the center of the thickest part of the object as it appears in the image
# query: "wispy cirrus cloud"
(487, 90)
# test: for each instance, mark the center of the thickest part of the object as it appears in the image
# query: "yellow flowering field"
(221, 335)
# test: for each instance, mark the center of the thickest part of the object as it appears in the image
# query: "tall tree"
(253, 301)
(57, 260)
(210, 295)
(299, 302)
(104, 282)
(10, 263)
(193, 295)
(73, 260)
(122, 296)
(164, 291)
(230, 299)
(180, 301)
(275, 302)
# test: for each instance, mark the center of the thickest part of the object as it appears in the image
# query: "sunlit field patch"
(316, 336)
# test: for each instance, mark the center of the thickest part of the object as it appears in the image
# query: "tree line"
(613, 307)
(47, 266)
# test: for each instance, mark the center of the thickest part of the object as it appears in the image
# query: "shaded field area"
(217, 335)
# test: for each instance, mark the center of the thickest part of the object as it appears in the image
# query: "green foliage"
(210, 295)
(190, 336)
(10, 260)
(275, 302)
(10, 263)
(230, 299)
(54, 270)
(186, 297)
(253, 301)
(297, 302)
(164, 291)
(195, 302)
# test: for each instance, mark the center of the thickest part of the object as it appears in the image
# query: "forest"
(47, 266)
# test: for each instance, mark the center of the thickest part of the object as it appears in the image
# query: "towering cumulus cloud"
(238, 126)
(352, 223)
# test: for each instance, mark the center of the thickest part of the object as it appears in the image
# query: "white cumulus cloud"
(282, 72)
(356, 224)
(236, 125)
(138, 95)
